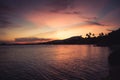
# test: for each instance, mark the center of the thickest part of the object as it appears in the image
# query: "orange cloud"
(52, 20)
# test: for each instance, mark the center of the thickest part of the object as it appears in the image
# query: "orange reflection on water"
(71, 52)
(75, 56)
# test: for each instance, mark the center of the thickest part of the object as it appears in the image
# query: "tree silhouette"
(101, 34)
(89, 35)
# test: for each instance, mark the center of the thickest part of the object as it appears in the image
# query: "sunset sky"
(56, 19)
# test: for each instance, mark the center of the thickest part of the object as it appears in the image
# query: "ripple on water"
(58, 62)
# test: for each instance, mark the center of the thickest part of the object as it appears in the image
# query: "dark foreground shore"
(114, 62)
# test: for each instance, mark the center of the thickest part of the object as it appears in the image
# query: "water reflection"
(53, 62)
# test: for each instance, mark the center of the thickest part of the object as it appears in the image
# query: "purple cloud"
(31, 39)
(95, 23)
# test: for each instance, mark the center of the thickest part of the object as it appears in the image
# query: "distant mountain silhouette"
(109, 39)
(71, 40)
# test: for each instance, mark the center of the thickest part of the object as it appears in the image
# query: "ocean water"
(53, 62)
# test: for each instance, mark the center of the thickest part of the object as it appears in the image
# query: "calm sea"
(53, 62)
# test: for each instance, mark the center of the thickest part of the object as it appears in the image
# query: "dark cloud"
(5, 12)
(66, 12)
(58, 5)
(73, 12)
(95, 23)
(32, 39)
(24, 4)
(89, 18)
(4, 22)
(110, 6)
